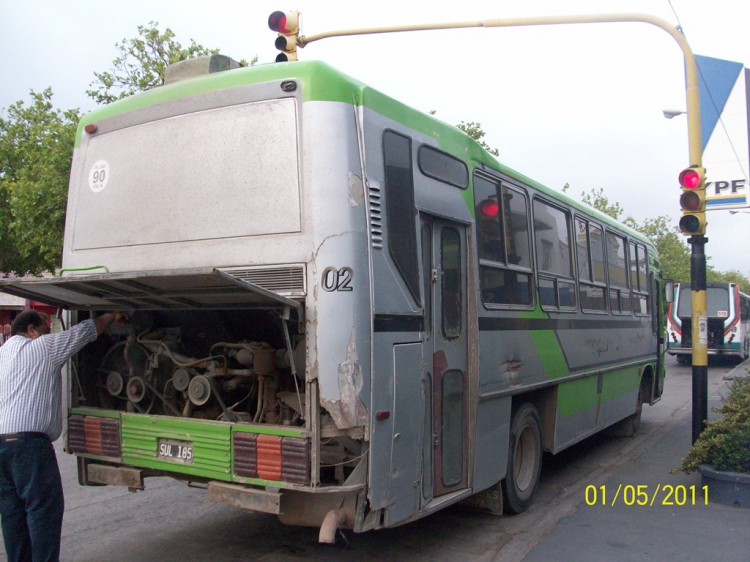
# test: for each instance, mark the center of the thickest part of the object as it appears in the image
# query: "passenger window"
(502, 223)
(400, 209)
(591, 277)
(617, 267)
(554, 257)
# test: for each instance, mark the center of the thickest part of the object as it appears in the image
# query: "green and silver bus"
(343, 311)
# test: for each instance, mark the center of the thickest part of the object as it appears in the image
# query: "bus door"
(445, 386)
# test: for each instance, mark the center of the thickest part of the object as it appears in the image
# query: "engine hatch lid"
(184, 289)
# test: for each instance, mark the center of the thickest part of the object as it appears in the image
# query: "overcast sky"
(577, 104)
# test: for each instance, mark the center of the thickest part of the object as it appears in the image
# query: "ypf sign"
(724, 87)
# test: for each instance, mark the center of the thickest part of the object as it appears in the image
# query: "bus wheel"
(524, 460)
(683, 359)
(629, 426)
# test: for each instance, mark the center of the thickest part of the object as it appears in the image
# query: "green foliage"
(600, 202)
(725, 443)
(142, 62)
(475, 131)
(36, 148)
(674, 253)
(731, 276)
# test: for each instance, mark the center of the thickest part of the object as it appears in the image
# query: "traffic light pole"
(698, 256)
(699, 333)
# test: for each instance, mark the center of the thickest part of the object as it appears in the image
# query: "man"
(31, 495)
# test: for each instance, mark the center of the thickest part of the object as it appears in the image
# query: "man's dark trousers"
(31, 499)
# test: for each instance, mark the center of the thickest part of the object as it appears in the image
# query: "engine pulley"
(114, 383)
(136, 389)
(199, 390)
(181, 379)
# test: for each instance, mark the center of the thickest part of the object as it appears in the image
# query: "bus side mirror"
(669, 290)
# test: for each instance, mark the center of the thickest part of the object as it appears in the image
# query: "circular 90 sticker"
(99, 175)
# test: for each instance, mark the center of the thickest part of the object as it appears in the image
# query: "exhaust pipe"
(341, 517)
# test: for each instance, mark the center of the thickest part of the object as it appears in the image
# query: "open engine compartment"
(231, 365)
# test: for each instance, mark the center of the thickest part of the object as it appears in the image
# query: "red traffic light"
(489, 208)
(690, 178)
(284, 22)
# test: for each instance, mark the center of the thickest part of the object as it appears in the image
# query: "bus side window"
(617, 266)
(502, 223)
(557, 288)
(591, 279)
(400, 209)
(638, 279)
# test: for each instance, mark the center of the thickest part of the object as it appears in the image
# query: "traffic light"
(693, 201)
(286, 24)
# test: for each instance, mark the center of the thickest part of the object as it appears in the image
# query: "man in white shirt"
(31, 495)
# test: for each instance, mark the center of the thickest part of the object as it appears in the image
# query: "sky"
(575, 104)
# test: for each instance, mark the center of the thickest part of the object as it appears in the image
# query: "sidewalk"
(619, 532)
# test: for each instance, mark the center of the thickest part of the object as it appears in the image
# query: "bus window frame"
(556, 278)
(592, 282)
(499, 181)
(615, 288)
(640, 291)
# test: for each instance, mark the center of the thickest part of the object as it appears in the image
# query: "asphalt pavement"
(643, 512)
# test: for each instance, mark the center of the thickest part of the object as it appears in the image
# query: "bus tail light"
(272, 457)
(94, 435)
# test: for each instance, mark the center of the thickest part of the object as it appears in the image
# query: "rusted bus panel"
(295, 465)
(76, 434)
(269, 457)
(246, 454)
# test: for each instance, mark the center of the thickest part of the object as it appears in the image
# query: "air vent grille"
(287, 281)
(376, 215)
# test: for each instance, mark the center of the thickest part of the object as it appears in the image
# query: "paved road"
(172, 522)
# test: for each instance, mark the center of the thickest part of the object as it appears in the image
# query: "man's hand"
(106, 320)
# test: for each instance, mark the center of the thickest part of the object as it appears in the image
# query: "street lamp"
(671, 113)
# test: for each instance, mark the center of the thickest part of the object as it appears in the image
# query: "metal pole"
(699, 334)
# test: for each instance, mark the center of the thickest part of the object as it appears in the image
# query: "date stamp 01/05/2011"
(644, 495)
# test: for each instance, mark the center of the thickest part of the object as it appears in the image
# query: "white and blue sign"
(725, 131)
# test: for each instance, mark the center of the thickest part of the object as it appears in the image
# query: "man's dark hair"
(27, 318)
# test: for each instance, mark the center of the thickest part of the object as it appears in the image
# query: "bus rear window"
(717, 302)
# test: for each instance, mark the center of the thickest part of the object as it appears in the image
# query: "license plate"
(175, 451)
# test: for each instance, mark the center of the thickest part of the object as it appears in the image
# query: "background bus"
(344, 311)
(728, 314)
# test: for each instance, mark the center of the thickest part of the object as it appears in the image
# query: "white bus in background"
(728, 315)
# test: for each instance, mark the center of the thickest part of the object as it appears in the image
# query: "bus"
(343, 311)
(727, 316)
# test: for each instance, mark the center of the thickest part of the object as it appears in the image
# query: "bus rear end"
(726, 325)
(192, 208)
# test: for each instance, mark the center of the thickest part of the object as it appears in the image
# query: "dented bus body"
(343, 311)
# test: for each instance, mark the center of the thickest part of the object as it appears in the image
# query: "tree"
(674, 254)
(600, 202)
(142, 63)
(731, 276)
(36, 147)
(475, 131)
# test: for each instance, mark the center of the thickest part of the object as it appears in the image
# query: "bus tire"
(628, 427)
(524, 460)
